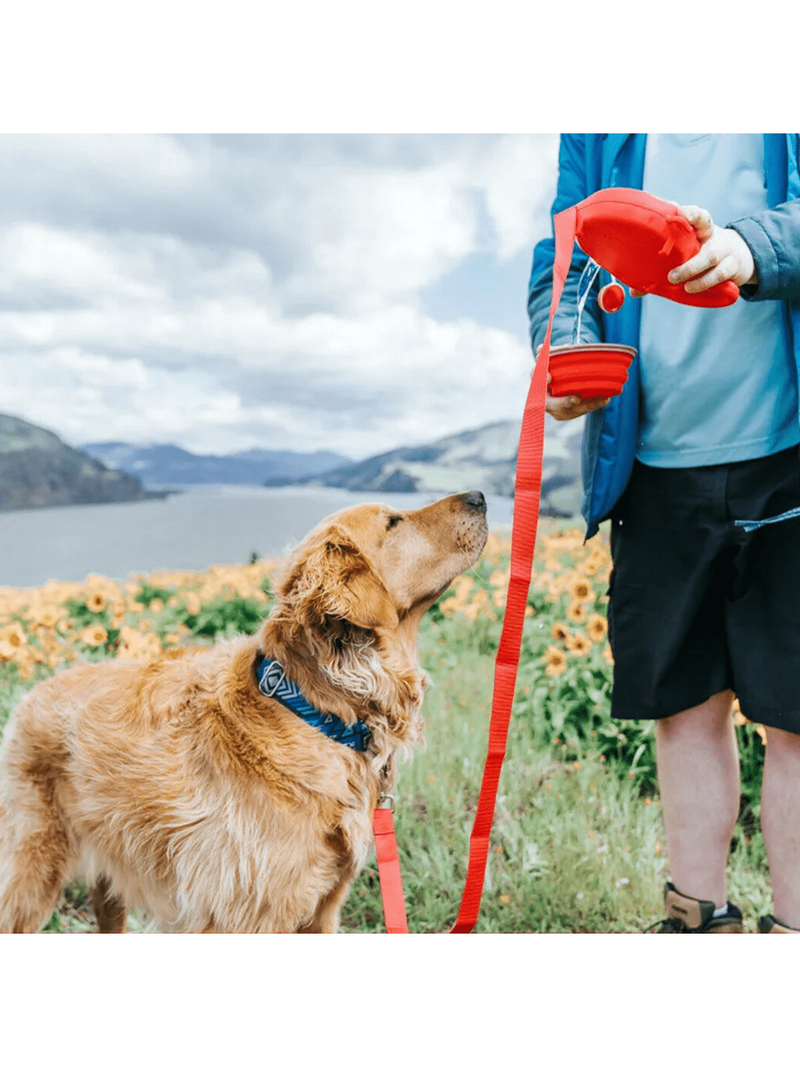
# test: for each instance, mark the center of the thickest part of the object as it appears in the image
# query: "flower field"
(62, 622)
(576, 844)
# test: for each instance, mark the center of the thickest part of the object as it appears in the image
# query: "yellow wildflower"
(95, 601)
(559, 631)
(94, 635)
(499, 578)
(193, 604)
(479, 605)
(136, 645)
(597, 627)
(579, 644)
(582, 591)
(556, 661)
(14, 636)
(46, 615)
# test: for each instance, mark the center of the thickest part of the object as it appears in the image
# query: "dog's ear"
(334, 580)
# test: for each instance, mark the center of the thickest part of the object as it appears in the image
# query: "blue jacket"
(588, 162)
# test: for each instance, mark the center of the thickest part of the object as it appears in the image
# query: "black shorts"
(696, 604)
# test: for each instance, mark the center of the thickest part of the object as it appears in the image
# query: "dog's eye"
(393, 521)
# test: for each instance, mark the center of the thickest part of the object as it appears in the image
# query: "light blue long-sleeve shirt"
(718, 385)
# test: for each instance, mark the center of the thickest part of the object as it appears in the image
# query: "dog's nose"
(475, 500)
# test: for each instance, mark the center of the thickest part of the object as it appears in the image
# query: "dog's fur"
(179, 788)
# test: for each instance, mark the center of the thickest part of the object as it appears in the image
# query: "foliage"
(227, 617)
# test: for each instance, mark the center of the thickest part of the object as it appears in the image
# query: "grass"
(577, 843)
(574, 846)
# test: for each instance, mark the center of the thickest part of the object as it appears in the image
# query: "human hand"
(563, 408)
(723, 256)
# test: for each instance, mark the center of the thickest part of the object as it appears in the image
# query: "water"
(190, 530)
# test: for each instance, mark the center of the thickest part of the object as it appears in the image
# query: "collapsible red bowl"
(589, 371)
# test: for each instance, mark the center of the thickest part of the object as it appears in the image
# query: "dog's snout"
(475, 500)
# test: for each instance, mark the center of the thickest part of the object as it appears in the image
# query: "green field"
(577, 844)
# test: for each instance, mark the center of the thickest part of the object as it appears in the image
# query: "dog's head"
(375, 567)
(355, 589)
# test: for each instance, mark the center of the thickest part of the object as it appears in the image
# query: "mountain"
(484, 458)
(170, 465)
(37, 469)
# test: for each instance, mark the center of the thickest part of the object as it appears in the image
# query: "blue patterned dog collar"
(272, 682)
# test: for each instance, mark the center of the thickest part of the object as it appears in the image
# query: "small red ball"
(611, 297)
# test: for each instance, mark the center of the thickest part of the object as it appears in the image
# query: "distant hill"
(484, 458)
(37, 469)
(169, 465)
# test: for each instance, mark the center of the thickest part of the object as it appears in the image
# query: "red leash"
(394, 905)
(527, 497)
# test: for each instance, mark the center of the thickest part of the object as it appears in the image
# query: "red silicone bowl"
(589, 371)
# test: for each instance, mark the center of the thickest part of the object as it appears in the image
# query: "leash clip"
(386, 800)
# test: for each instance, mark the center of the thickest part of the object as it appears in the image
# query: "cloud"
(233, 292)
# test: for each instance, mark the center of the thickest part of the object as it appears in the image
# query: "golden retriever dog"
(184, 788)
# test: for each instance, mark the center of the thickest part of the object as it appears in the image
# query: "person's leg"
(698, 777)
(764, 644)
(780, 822)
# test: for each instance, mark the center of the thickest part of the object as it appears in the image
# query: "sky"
(350, 292)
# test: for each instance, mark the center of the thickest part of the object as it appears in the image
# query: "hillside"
(161, 464)
(484, 458)
(37, 469)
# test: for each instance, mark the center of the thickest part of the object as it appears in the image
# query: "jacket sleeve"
(572, 188)
(774, 239)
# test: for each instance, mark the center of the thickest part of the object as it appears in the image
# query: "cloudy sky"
(347, 292)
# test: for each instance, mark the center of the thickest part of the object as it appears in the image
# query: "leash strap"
(394, 905)
(527, 495)
(748, 525)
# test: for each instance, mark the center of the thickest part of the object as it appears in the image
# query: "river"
(188, 530)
